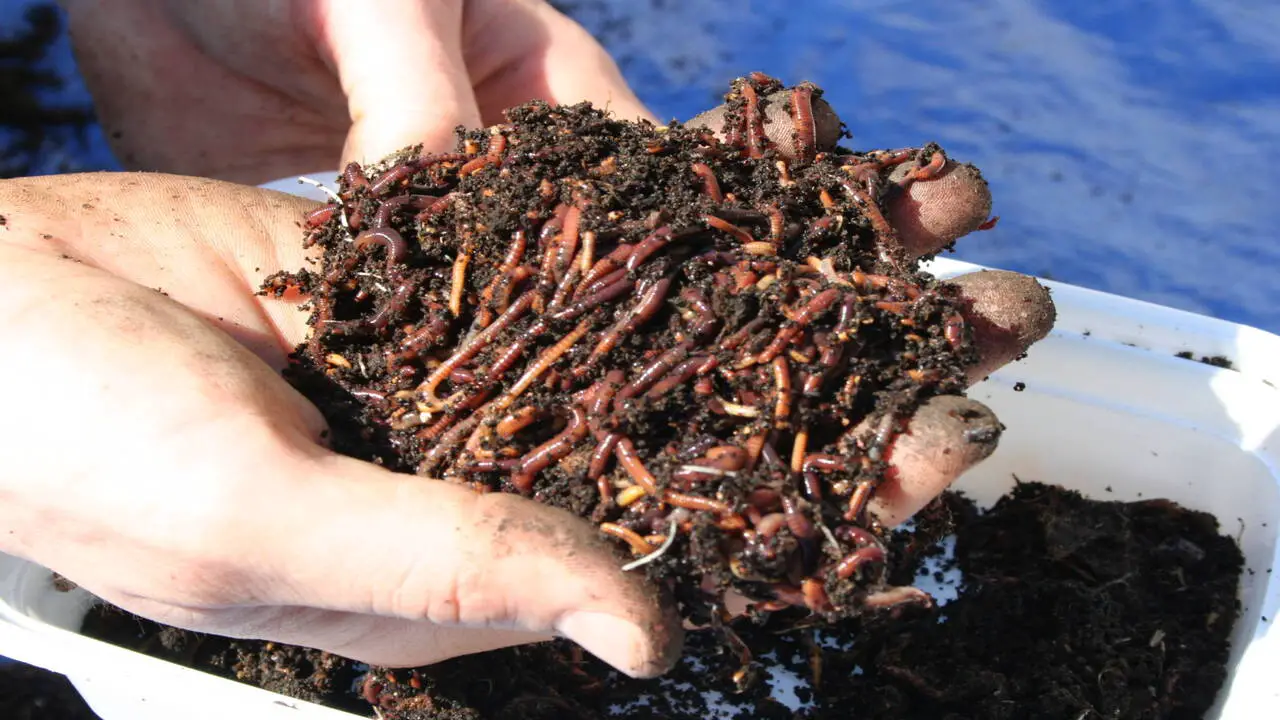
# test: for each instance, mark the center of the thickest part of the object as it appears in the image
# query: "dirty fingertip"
(1007, 312)
(945, 437)
(779, 126)
(637, 649)
(934, 213)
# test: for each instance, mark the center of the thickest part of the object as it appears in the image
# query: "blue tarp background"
(1133, 147)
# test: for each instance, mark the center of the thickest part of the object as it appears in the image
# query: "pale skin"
(152, 454)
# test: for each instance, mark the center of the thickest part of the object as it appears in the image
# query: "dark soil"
(1068, 608)
(709, 353)
(673, 336)
(28, 693)
(1221, 361)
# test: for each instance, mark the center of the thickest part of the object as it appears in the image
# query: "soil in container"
(1066, 608)
(708, 348)
(29, 693)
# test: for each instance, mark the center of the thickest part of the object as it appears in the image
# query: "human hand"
(152, 453)
(253, 90)
(204, 498)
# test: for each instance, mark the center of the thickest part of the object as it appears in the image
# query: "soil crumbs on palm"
(1068, 608)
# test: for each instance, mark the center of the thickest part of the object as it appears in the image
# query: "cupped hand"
(254, 90)
(153, 454)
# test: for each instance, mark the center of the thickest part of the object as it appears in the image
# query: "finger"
(932, 214)
(945, 437)
(436, 553)
(1007, 312)
(401, 67)
(779, 126)
(523, 50)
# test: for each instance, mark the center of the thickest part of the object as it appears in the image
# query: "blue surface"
(1132, 147)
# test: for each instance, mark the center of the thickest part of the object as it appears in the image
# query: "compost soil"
(701, 344)
(708, 349)
(1068, 608)
(29, 693)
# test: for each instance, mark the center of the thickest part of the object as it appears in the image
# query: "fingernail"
(615, 641)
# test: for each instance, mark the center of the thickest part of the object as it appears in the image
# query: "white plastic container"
(1106, 405)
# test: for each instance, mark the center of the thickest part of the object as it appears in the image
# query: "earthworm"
(459, 282)
(885, 233)
(647, 247)
(550, 451)
(606, 294)
(697, 502)
(469, 350)
(798, 447)
(953, 330)
(600, 456)
(568, 241)
(815, 595)
(800, 525)
(726, 457)
(447, 442)
(606, 265)
(319, 216)
(802, 121)
(777, 224)
(723, 225)
(770, 524)
(928, 172)
(822, 463)
(651, 372)
(858, 501)
(710, 185)
(681, 374)
(544, 361)
(397, 248)
(850, 563)
(353, 176)
(816, 306)
(882, 437)
(638, 544)
(515, 251)
(704, 315)
(427, 210)
(394, 305)
(613, 336)
(897, 596)
(782, 381)
(629, 459)
(517, 421)
(756, 138)
(856, 536)
(492, 156)
(563, 291)
(392, 177)
(588, 254)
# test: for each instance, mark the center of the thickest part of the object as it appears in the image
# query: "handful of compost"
(708, 339)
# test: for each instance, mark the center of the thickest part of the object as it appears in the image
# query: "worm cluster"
(701, 346)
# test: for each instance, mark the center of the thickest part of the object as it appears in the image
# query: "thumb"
(355, 538)
(401, 67)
